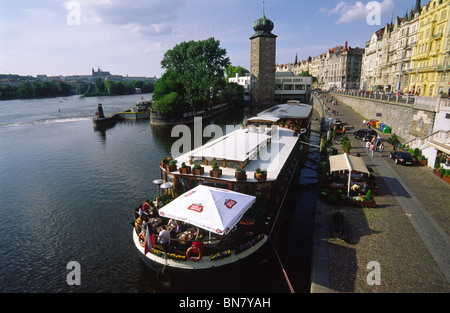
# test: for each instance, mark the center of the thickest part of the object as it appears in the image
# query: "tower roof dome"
(263, 27)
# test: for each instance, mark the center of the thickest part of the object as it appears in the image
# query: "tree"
(166, 84)
(308, 74)
(25, 90)
(170, 103)
(231, 71)
(100, 85)
(199, 67)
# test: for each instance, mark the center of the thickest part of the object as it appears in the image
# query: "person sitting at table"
(158, 204)
(355, 187)
(199, 244)
(146, 207)
(178, 227)
(364, 189)
(172, 223)
(138, 222)
(164, 236)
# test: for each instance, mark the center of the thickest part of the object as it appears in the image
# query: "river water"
(67, 193)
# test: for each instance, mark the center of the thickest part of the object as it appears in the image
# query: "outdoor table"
(155, 220)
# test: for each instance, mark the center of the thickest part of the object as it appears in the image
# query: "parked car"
(407, 96)
(365, 134)
(402, 157)
(335, 120)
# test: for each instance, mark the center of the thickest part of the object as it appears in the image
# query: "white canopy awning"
(237, 146)
(264, 118)
(347, 162)
(213, 209)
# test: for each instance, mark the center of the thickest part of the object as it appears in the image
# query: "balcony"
(438, 35)
(443, 67)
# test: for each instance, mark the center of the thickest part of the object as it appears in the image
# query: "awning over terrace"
(345, 162)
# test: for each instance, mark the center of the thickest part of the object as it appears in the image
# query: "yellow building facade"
(430, 72)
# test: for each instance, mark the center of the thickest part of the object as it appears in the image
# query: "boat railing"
(214, 247)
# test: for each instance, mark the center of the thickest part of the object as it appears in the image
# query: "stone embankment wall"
(405, 120)
(317, 105)
(187, 117)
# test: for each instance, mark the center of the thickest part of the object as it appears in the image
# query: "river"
(67, 191)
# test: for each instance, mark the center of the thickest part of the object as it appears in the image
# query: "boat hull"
(204, 263)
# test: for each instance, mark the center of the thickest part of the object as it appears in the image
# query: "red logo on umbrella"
(230, 203)
(196, 207)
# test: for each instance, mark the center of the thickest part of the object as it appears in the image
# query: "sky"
(130, 37)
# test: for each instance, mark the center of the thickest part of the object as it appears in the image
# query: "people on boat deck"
(199, 244)
(157, 203)
(178, 227)
(139, 221)
(172, 223)
(146, 207)
(146, 223)
(164, 236)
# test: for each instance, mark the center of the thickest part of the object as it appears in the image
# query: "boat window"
(208, 183)
(244, 188)
(183, 185)
(222, 185)
(195, 183)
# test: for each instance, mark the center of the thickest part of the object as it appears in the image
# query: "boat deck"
(264, 148)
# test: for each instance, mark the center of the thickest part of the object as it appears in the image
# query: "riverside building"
(429, 75)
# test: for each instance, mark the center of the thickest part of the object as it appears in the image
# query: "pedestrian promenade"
(407, 233)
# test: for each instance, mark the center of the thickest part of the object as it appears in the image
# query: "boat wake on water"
(46, 121)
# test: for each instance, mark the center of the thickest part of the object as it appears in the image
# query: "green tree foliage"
(35, 89)
(166, 84)
(308, 74)
(233, 93)
(231, 71)
(199, 67)
(170, 103)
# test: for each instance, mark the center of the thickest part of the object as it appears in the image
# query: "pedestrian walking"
(368, 147)
(380, 149)
(372, 148)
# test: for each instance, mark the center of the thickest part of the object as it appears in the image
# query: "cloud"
(140, 17)
(358, 11)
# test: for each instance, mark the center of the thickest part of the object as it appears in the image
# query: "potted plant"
(422, 160)
(446, 176)
(260, 175)
(165, 162)
(346, 145)
(198, 169)
(240, 174)
(436, 170)
(216, 171)
(366, 201)
(394, 141)
(185, 169)
(172, 165)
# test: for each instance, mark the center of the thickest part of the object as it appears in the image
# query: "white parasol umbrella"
(213, 209)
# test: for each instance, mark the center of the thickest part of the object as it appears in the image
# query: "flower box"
(437, 173)
(171, 168)
(260, 177)
(446, 178)
(185, 170)
(215, 173)
(365, 204)
(198, 171)
(240, 177)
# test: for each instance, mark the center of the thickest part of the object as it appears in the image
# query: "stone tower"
(262, 66)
